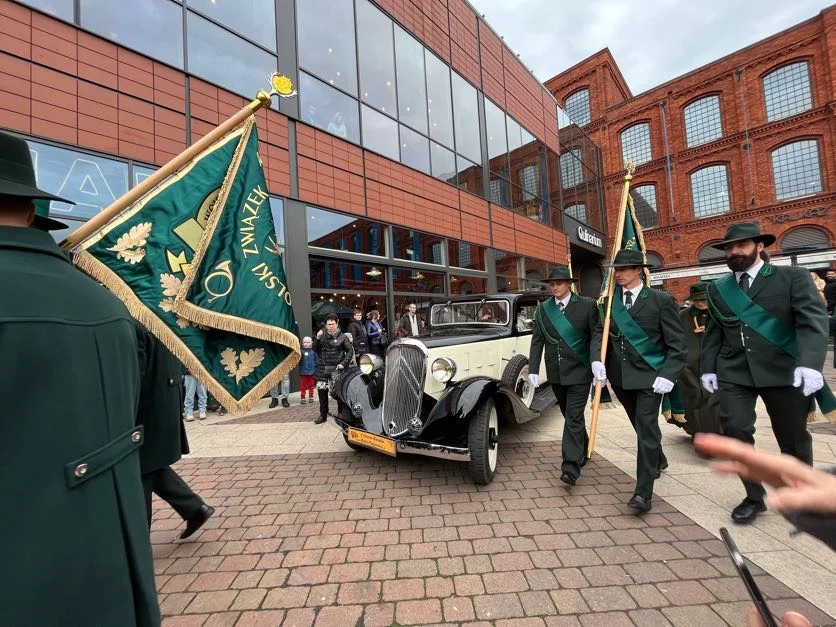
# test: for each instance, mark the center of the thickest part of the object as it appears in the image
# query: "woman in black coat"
(357, 330)
(335, 353)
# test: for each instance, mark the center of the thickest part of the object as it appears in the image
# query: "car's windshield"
(469, 312)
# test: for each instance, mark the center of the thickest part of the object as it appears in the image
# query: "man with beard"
(830, 291)
(702, 410)
(767, 337)
(645, 353)
(563, 326)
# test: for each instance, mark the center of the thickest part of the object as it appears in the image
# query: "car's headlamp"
(443, 369)
(369, 362)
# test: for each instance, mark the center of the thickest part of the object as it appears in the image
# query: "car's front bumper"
(410, 446)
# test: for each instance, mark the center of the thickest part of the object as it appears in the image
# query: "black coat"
(562, 365)
(358, 336)
(702, 410)
(333, 351)
(160, 403)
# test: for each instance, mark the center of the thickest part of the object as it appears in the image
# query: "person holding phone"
(335, 353)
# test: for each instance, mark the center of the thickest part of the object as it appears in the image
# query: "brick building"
(751, 136)
(419, 158)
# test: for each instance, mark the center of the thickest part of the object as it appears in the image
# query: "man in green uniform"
(767, 337)
(74, 545)
(702, 410)
(160, 402)
(563, 326)
(645, 354)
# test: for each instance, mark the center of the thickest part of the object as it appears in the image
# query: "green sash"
(561, 323)
(635, 335)
(755, 316)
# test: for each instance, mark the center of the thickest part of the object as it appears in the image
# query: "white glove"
(599, 371)
(534, 379)
(662, 386)
(709, 382)
(812, 379)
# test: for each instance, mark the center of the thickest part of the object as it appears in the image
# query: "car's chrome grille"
(403, 387)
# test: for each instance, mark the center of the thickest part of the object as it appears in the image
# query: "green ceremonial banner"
(195, 260)
(631, 239)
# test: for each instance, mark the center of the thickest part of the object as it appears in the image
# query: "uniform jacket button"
(136, 436)
(80, 470)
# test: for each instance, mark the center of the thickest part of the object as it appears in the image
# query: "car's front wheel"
(515, 376)
(483, 442)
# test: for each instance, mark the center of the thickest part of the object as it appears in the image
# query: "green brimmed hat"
(744, 231)
(17, 180)
(629, 257)
(698, 291)
(560, 273)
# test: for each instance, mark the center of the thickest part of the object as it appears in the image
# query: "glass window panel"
(226, 60)
(351, 276)
(795, 168)
(415, 150)
(412, 81)
(72, 226)
(336, 231)
(92, 182)
(702, 121)
(277, 211)
(466, 115)
(497, 140)
(464, 255)
(326, 47)
(787, 91)
(416, 246)
(536, 271)
(563, 120)
(710, 191)
(530, 182)
(254, 19)
(59, 8)
(140, 173)
(469, 176)
(464, 285)
(805, 239)
(514, 134)
(708, 255)
(439, 99)
(500, 191)
(443, 163)
(376, 49)
(328, 109)
(577, 210)
(571, 171)
(418, 281)
(644, 199)
(153, 27)
(380, 133)
(343, 303)
(635, 144)
(577, 107)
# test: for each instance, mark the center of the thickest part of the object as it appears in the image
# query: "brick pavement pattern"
(361, 539)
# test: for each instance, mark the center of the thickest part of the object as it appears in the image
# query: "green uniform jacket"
(160, 403)
(702, 410)
(737, 354)
(562, 364)
(74, 542)
(657, 314)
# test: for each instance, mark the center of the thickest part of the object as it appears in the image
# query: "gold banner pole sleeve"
(619, 233)
(123, 202)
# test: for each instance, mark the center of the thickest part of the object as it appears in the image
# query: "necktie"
(560, 305)
(628, 300)
(744, 282)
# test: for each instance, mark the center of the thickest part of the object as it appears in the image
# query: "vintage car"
(446, 393)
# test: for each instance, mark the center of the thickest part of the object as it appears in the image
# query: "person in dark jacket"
(411, 324)
(357, 331)
(74, 545)
(375, 334)
(160, 400)
(335, 353)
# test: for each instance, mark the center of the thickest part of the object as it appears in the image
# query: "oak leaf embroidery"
(250, 360)
(130, 246)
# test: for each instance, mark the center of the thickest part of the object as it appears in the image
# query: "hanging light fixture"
(374, 272)
(417, 276)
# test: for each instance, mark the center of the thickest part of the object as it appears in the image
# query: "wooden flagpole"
(90, 227)
(619, 233)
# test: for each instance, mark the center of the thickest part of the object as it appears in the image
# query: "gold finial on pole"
(630, 169)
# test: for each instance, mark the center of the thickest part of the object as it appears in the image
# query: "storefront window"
(380, 133)
(417, 281)
(329, 275)
(328, 109)
(412, 82)
(152, 27)
(256, 20)
(439, 103)
(224, 59)
(464, 255)
(326, 46)
(416, 246)
(139, 173)
(464, 285)
(336, 231)
(377, 57)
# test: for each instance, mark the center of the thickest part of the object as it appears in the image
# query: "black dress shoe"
(639, 503)
(274, 402)
(747, 511)
(320, 420)
(285, 402)
(568, 479)
(196, 522)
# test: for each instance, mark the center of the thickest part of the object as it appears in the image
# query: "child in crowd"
(307, 367)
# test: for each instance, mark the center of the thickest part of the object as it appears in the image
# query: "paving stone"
(649, 618)
(402, 589)
(693, 615)
(458, 609)
(215, 601)
(496, 583)
(569, 602)
(607, 598)
(606, 619)
(339, 616)
(359, 593)
(606, 576)
(685, 592)
(570, 578)
(693, 569)
(647, 572)
(418, 612)
(249, 599)
(379, 615)
(537, 603)
(284, 598)
(647, 595)
(495, 606)
(300, 617)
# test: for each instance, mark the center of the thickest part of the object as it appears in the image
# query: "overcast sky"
(652, 41)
